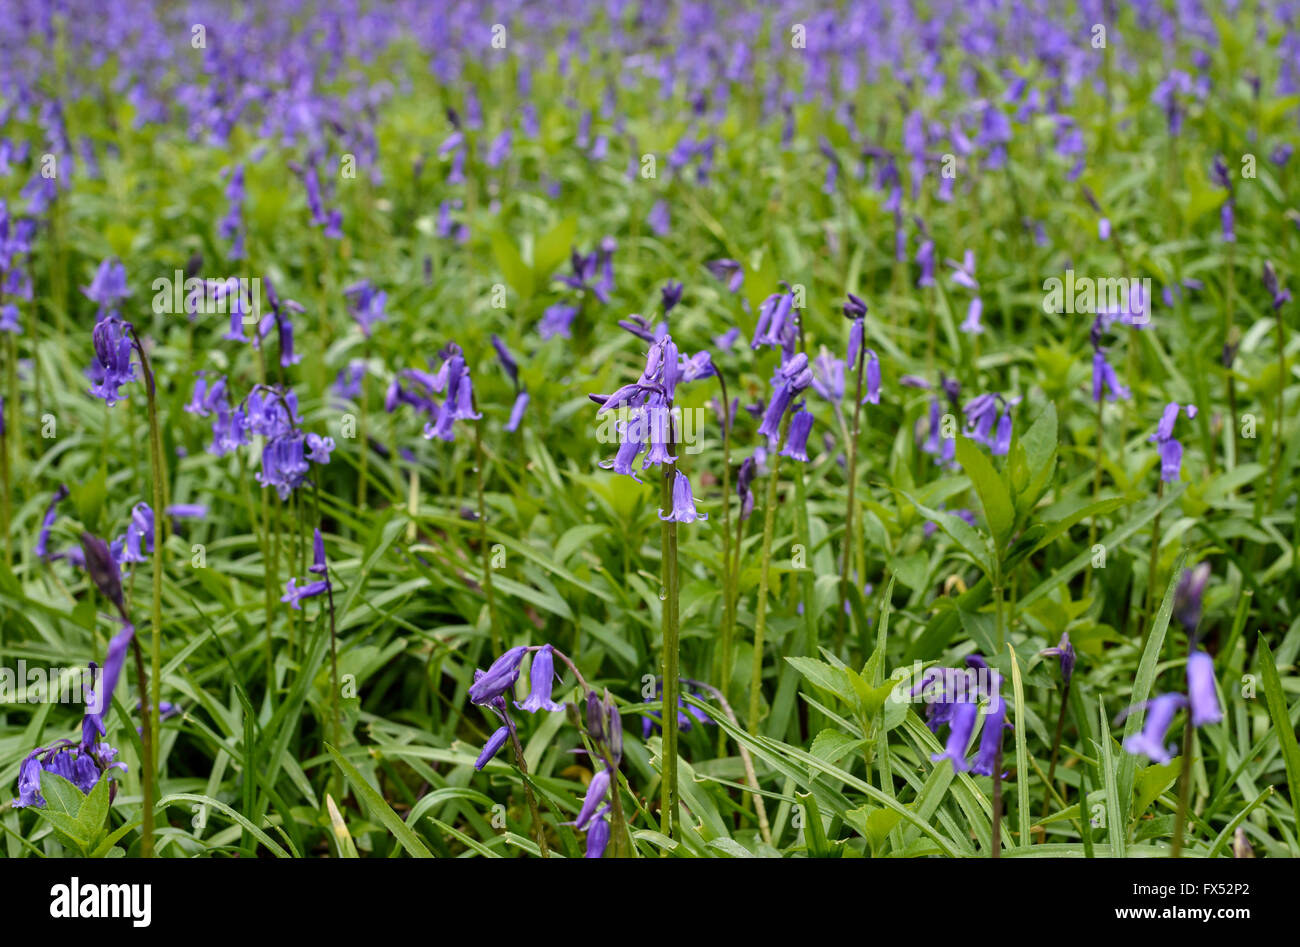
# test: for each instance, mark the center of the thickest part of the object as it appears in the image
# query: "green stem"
(484, 548)
(1184, 791)
(669, 660)
(760, 614)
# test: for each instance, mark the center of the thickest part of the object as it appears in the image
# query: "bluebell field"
(628, 429)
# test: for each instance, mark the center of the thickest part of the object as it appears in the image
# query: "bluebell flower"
(499, 678)
(1171, 450)
(541, 678)
(1064, 652)
(744, 480)
(670, 295)
(961, 723)
(1150, 741)
(112, 366)
(597, 838)
(517, 411)
(283, 464)
(41, 549)
(492, 747)
(728, 270)
(108, 287)
(594, 800)
(1188, 595)
(557, 320)
(796, 442)
(872, 371)
(367, 305)
(1201, 695)
(683, 510)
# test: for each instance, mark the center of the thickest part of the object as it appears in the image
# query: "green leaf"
(379, 807)
(552, 249)
(513, 269)
(1277, 711)
(94, 810)
(993, 495)
(1116, 823)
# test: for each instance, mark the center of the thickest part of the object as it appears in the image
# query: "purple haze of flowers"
(659, 220)
(108, 287)
(366, 303)
(1103, 373)
(557, 320)
(729, 270)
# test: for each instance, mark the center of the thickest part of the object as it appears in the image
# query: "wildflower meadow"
(641, 430)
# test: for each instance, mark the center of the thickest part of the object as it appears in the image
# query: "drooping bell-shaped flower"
(498, 678)
(541, 678)
(1188, 595)
(492, 747)
(1064, 651)
(683, 510)
(1201, 694)
(1150, 741)
(796, 441)
(961, 722)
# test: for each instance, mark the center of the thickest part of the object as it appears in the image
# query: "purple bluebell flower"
(541, 678)
(728, 270)
(103, 569)
(744, 480)
(597, 838)
(108, 288)
(367, 305)
(499, 678)
(796, 442)
(112, 367)
(283, 464)
(1201, 695)
(872, 371)
(508, 363)
(1064, 652)
(961, 723)
(670, 295)
(792, 377)
(51, 512)
(597, 789)
(1188, 595)
(1171, 451)
(1281, 295)
(348, 383)
(659, 219)
(517, 411)
(492, 747)
(683, 510)
(557, 320)
(1150, 741)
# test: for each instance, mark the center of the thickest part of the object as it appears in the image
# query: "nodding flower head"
(499, 678)
(1281, 295)
(1150, 741)
(744, 480)
(683, 510)
(796, 441)
(670, 295)
(1171, 451)
(103, 569)
(729, 270)
(1064, 651)
(1188, 595)
(112, 366)
(541, 678)
(1201, 695)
